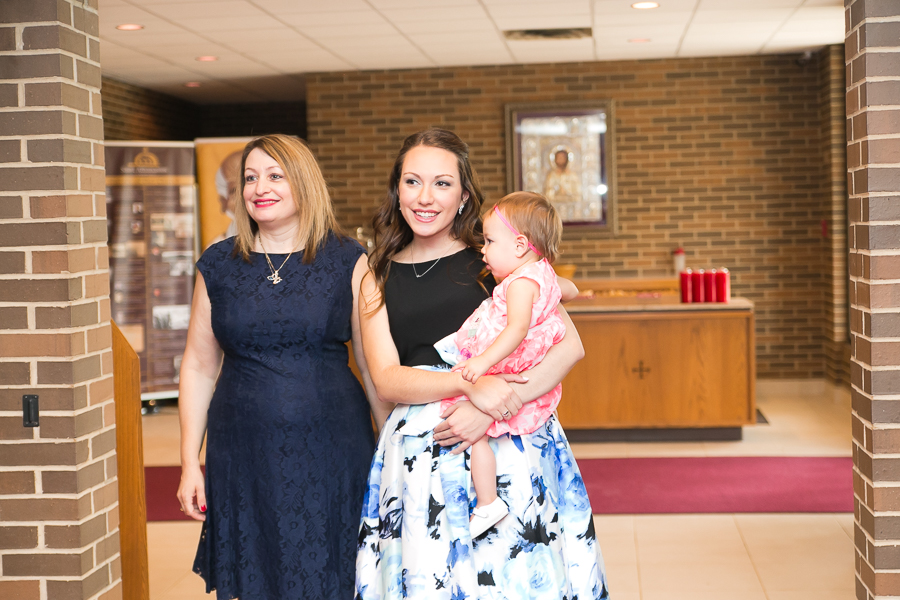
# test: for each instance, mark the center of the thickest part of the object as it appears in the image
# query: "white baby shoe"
(485, 517)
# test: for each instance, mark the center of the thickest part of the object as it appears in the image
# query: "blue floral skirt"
(414, 539)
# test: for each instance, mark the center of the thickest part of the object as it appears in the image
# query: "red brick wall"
(134, 113)
(723, 156)
(873, 154)
(59, 510)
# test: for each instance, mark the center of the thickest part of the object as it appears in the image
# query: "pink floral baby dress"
(484, 325)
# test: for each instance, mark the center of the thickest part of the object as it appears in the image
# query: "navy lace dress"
(289, 438)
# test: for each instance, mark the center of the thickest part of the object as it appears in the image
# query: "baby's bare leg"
(484, 472)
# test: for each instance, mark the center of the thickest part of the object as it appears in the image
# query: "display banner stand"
(219, 181)
(151, 208)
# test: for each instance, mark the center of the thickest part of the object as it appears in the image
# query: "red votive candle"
(685, 281)
(723, 285)
(709, 286)
(697, 292)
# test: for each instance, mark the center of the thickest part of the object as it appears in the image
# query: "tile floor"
(649, 557)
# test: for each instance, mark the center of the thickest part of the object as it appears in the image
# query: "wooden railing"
(130, 461)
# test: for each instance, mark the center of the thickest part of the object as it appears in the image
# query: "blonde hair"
(308, 189)
(533, 216)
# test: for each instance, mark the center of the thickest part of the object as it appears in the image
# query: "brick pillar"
(58, 496)
(873, 154)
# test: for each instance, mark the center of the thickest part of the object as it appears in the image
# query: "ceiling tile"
(308, 61)
(230, 23)
(581, 5)
(180, 11)
(742, 16)
(724, 33)
(231, 66)
(636, 51)
(513, 22)
(784, 40)
(283, 7)
(155, 40)
(741, 5)
(679, 18)
(621, 35)
(188, 51)
(151, 3)
(280, 37)
(334, 18)
(372, 44)
(117, 15)
(258, 39)
(471, 56)
(358, 31)
(113, 56)
(458, 39)
(448, 26)
(436, 16)
(826, 20)
(620, 7)
(386, 4)
(688, 51)
(392, 61)
(542, 9)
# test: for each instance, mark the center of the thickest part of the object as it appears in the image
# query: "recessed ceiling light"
(207, 58)
(645, 5)
(192, 84)
(129, 27)
(639, 40)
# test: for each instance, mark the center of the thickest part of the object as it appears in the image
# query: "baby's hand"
(474, 368)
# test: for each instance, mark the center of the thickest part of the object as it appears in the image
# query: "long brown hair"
(310, 194)
(393, 233)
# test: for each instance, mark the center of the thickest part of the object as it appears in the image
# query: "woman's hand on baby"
(494, 397)
(472, 368)
(463, 424)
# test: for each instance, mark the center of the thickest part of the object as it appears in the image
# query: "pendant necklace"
(274, 278)
(429, 268)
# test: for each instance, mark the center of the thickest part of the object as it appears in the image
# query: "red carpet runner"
(719, 485)
(162, 484)
(660, 485)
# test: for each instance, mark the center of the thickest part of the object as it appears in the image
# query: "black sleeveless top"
(422, 310)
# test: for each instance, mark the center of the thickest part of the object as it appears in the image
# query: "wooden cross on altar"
(640, 370)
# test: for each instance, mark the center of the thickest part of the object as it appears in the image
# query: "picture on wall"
(565, 152)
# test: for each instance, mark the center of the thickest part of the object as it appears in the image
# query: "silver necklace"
(274, 278)
(426, 270)
(432, 264)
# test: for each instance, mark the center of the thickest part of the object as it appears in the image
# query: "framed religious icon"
(565, 152)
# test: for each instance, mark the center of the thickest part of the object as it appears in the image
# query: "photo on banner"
(218, 178)
(150, 207)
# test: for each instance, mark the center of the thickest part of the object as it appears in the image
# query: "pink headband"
(513, 229)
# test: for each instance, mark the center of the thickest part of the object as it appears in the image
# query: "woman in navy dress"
(289, 435)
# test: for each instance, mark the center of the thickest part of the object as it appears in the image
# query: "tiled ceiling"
(264, 47)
